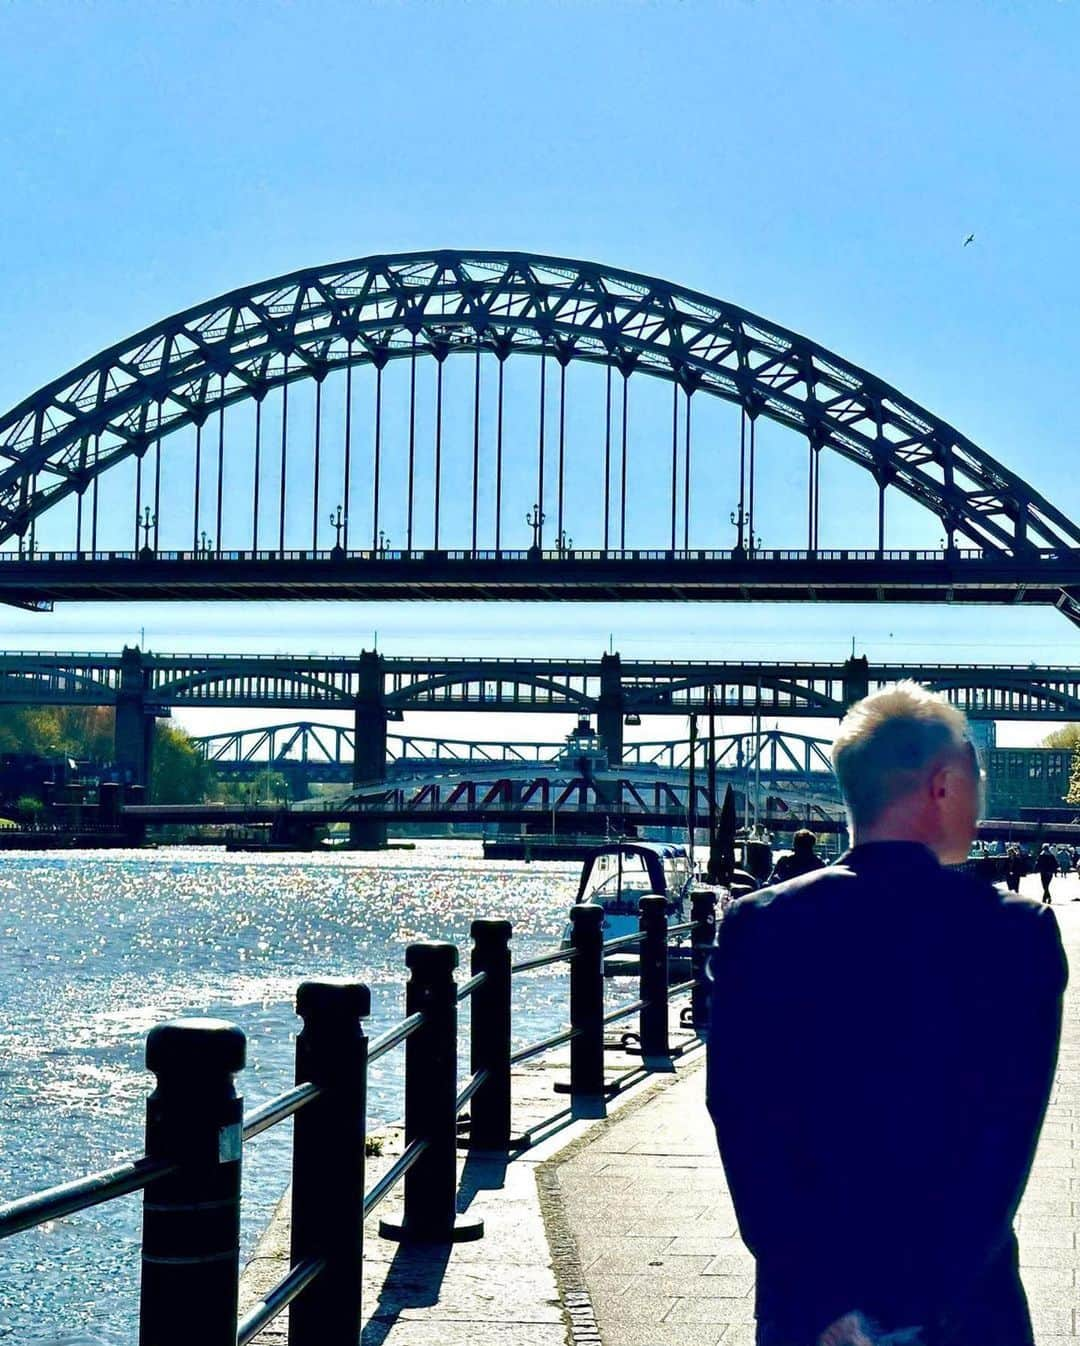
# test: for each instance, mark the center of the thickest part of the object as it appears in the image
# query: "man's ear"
(940, 781)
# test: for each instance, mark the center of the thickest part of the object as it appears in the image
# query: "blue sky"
(818, 163)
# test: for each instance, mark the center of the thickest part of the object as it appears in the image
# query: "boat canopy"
(626, 870)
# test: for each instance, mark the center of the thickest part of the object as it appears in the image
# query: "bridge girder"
(374, 310)
(564, 687)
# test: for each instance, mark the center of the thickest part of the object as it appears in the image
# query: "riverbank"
(622, 1231)
(518, 1281)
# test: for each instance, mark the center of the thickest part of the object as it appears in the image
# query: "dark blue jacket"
(883, 1043)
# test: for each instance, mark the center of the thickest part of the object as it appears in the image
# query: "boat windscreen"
(616, 874)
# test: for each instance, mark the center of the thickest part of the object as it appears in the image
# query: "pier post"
(430, 1214)
(133, 728)
(369, 757)
(490, 1036)
(703, 937)
(653, 975)
(328, 1160)
(587, 1097)
(609, 717)
(191, 1218)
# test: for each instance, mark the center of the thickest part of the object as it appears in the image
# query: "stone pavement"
(622, 1233)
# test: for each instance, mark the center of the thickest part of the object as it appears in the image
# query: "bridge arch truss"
(151, 409)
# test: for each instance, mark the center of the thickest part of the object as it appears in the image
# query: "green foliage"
(268, 787)
(1072, 794)
(58, 731)
(180, 775)
(1068, 736)
(28, 807)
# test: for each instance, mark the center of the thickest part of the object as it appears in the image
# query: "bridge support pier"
(133, 730)
(609, 718)
(856, 679)
(369, 759)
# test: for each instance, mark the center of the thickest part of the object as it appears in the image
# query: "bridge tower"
(609, 718)
(856, 679)
(369, 758)
(133, 730)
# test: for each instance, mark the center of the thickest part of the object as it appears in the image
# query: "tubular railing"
(394, 554)
(190, 1175)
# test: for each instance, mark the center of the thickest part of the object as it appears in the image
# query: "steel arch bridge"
(330, 748)
(267, 442)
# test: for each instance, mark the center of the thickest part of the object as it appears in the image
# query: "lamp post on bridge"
(564, 544)
(205, 544)
(535, 519)
(337, 523)
(146, 523)
(741, 520)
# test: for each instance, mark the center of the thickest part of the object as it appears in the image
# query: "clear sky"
(818, 163)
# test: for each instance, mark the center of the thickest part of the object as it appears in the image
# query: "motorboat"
(616, 875)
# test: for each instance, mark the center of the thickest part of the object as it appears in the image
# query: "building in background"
(1019, 778)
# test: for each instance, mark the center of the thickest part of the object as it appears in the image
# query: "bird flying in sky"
(970, 239)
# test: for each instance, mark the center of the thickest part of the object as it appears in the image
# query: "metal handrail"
(69, 1197)
(279, 1109)
(278, 1299)
(393, 1037)
(543, 959)
(475, 1082)
(396, 1171)
(468, 987)
(680, 987)
(624, 1011)
(623, 942)
(544, 1045)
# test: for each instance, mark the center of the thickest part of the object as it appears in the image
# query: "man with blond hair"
(883, 1043)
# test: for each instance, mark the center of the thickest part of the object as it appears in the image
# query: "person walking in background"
(878, 1103)
(1047, 865)
(802, 858)
(1014, 868)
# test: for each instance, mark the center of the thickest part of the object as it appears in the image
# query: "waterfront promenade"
(622, 1233)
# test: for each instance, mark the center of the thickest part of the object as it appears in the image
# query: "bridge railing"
(457, 554)
(190, 1174)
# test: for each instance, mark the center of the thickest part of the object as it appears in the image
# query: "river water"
(97, 947)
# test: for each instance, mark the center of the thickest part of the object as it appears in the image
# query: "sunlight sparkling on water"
(97, 947)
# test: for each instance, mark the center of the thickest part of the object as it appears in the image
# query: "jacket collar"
(890, 855)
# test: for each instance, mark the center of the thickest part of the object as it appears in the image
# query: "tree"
(84, 732)
(180, 774)
(1068, 736)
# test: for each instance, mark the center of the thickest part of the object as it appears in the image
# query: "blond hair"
(889, 742)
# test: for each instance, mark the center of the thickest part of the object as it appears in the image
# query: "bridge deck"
(778, 576)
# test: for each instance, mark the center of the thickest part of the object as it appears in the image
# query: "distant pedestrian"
(1064, 859)
(1015, 868)
(843, 1001)
(801, 859)
(1047, 865)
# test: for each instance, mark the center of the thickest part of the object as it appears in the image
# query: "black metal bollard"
(587, 1095)
(191, 1218)
(328, 1160)
(653, 974)
(490, 1036)
(431, 1103)
(703, 937)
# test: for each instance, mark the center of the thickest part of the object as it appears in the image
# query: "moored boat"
(616, 875)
